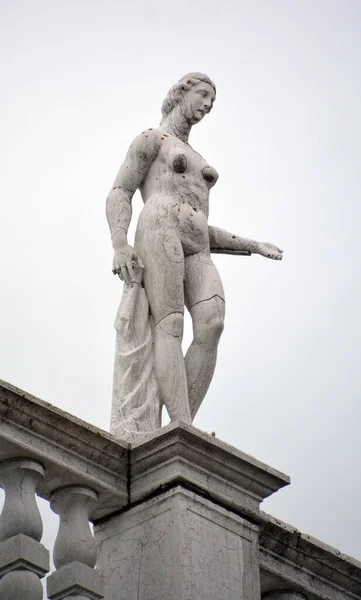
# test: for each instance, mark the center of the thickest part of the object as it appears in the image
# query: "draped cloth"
(136, 405)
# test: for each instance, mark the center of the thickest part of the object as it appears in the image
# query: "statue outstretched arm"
(223, 242)
(140, 156)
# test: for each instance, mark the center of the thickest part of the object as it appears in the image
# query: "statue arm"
(223, 242)
(140, 156)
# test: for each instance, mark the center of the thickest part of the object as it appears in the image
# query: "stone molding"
(291, 559)
(71, 451)
(180, 452)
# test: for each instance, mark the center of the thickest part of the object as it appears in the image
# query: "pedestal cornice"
(182, 453)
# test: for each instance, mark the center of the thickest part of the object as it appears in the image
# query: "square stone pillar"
(190, 529)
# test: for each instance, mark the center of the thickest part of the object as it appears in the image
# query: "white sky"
(79, 81)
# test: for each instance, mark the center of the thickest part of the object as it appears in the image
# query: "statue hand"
(127, 264)
(269, 250)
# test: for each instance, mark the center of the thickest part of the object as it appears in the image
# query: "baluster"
(74, 550)
(23, 560)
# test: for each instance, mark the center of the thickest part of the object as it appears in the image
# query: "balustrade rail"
(80, 470)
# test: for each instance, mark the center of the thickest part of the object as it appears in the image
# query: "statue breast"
(180, 163)
(210, 174)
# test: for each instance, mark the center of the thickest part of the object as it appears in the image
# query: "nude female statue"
(173, 243)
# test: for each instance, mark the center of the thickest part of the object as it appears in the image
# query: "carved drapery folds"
(23, 560)
(74, 549)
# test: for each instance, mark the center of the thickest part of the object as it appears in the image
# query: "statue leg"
(205, 302)
(169, 367)
(162, 255)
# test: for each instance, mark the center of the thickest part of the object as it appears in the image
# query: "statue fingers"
(130, 271)
(123, 274)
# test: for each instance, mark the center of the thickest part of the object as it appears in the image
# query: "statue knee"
(215, 326)
(172, 324)
(208, 320)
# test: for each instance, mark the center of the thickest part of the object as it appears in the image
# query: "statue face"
(198, 101)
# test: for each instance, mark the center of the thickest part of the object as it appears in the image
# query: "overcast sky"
(79, 81)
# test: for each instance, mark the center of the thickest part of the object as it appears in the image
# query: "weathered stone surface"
(290, 559)
(21, 584)
(23, 560)
(136, 408)
(74, 542)
(188, 542)
(20, 478)
(179, 546)
(171, 260)
(22, 552)
(71, 451)
(75, 579)
(180, 452)
(178, 461)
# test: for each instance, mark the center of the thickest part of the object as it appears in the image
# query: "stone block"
(75, 578)
(22, 552)
(180, 546)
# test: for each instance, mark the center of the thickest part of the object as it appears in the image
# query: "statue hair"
(179, 90)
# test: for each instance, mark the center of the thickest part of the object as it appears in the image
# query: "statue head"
(195, 93)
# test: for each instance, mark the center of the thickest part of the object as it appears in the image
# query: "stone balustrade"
(24, 560)
(88, 476)
(81, 471)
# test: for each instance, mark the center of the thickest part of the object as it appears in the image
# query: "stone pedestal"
(179, 545)
(190, 529)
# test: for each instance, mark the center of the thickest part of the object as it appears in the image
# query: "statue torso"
(179, 174)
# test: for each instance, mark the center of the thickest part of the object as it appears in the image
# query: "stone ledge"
(180, 452)
(71, 451)
(22, 552)
(290, 557)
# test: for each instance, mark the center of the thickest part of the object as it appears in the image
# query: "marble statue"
(170, 267)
